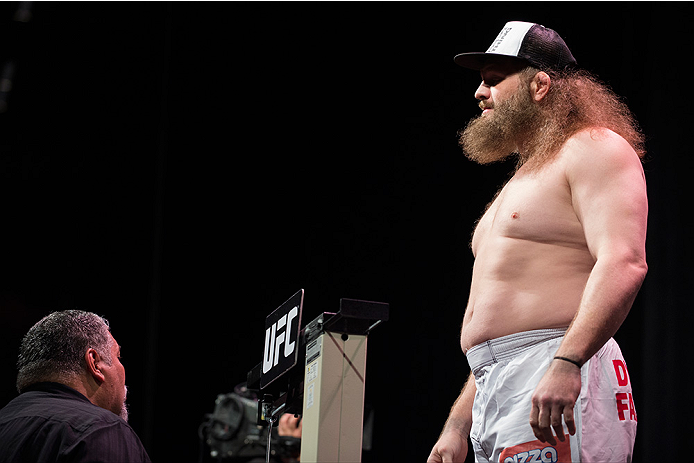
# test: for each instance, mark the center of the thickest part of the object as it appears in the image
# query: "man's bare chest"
(532, 208)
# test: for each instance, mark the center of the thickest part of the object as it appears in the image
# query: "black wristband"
(568, 360)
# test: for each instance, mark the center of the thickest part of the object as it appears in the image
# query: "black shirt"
(50, 422)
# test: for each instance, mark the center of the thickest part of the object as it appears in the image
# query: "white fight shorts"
(508, 369)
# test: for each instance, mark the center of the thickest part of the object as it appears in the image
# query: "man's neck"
(83, 386)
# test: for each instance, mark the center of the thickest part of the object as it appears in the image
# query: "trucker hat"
(540, 46)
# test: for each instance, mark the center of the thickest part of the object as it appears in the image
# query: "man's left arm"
(608, 191)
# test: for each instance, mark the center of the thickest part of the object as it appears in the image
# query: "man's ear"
(94, 361)
(540, 85)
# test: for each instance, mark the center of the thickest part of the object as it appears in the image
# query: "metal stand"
(333, 413)
(333, 383)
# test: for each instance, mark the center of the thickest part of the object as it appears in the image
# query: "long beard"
(506, 130)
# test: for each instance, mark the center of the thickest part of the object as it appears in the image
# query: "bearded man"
(71, 405)
(559, 259)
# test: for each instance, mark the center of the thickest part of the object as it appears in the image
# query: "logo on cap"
(509, 40)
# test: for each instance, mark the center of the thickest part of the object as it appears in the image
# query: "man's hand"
(554, 399)
(290, 426)
(450, 448)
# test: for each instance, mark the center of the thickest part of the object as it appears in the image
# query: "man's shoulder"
(594, 141)
(598, 151)
(64, 422)
(66, 409)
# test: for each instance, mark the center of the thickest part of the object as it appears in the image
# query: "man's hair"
(54, 348)
(578, 100)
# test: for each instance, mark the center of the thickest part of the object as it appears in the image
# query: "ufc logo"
(277, 335)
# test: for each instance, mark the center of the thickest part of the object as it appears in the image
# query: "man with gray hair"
(71, 405)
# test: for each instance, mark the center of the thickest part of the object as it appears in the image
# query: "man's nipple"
(515, 215)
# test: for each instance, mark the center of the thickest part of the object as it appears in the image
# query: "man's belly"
(498, 309)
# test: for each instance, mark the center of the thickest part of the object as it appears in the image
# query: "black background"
(184, 168)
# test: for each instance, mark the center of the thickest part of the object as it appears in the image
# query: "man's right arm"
(452, 445)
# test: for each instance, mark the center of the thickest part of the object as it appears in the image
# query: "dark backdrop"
(183, 168)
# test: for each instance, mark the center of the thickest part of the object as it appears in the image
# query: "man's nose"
(483, 92)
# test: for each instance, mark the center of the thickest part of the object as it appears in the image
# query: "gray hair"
(54, 348)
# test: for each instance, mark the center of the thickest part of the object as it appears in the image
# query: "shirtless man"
(559, 259)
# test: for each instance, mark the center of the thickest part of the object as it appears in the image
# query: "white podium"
(329, 392)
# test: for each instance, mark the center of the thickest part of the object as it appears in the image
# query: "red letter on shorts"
(621, 371)
(632, 408)
(622, 404)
